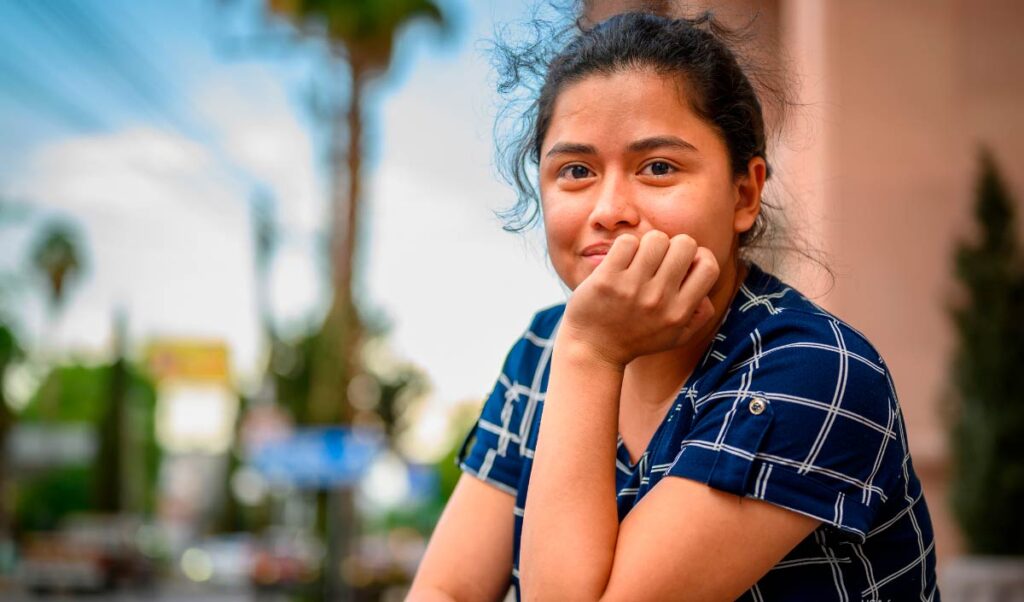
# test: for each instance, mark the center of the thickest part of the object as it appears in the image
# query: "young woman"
(686, 427)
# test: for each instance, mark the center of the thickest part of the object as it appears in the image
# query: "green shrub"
(988, 431)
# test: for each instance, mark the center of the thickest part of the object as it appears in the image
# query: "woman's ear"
(748, 195)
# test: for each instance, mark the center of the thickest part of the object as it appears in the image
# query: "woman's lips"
(595, 253)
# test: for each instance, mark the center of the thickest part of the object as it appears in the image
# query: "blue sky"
(141, 124)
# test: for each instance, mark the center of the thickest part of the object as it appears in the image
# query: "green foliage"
(44, 500)
(291, 363)
(988, 435)
(363, 29)
(10, 352)
(82, 394)
(10, 349)
(71, 393)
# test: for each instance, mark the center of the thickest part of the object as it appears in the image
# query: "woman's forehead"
(630, 104)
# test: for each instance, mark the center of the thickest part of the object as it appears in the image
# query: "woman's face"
(625, 154)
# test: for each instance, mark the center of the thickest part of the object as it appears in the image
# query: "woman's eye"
(658, 168)
(575, 172)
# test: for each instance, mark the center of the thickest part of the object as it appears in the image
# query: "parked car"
(287, 559)
(87, 553)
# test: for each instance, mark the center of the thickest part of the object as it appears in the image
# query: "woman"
(708, 433)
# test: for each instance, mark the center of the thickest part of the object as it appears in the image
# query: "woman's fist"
(648, 295)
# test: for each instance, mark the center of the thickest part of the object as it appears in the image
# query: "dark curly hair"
(698, 50)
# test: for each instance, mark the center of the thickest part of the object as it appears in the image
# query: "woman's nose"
(614, 206)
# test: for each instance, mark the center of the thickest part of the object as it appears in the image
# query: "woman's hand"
(647, 295)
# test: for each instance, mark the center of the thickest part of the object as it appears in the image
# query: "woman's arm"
(684, 540)
(469, 557)
(571, 523)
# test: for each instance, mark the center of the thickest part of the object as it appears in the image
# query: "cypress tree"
(988, 433)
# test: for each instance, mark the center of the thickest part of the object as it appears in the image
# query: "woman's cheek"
(561, 223)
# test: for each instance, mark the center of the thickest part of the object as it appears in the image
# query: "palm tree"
(362, 33)
(56, 256)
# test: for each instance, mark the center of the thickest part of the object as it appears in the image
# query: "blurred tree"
(362, 33)
(114, 453)
(10, 352)
(988, 434)
(291, 367)
(84, 397)
(385, 391)
(264, 233)
(396, 391)
(232, 517)
(57, 256)
(385, 388)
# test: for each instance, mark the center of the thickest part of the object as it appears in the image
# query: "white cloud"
(166, 220)
(458, 288)
(258, 129)
(166, 236)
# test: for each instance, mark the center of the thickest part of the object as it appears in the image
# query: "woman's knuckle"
(650, 300)
(677, 316)
(685, 241)
(620, 291)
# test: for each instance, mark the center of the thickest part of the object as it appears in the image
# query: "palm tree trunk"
(337, 357)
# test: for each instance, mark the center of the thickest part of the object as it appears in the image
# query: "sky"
(152, 125)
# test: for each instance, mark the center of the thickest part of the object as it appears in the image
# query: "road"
(170, 592)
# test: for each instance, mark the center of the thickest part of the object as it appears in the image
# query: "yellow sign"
(188, 360)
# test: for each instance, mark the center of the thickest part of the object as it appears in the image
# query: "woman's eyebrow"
(642, 145)
(656, 142)
(571, 148)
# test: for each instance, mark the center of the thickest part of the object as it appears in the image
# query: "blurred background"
(253, 291)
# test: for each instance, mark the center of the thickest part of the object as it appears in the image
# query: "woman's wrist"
(585, 353)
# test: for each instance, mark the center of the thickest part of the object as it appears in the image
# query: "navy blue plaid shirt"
(789, 405)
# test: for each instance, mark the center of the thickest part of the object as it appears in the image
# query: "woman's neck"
(652, 381)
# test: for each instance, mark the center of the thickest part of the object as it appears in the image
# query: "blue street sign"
(319, 457)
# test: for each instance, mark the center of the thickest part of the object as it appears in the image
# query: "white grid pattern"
(852, 562)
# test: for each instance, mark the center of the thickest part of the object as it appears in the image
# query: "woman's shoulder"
(545, 321)
(783, 345)
(784, 315)
(532, 348)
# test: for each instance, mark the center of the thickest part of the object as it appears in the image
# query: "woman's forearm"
(428, 594)
(571, 522)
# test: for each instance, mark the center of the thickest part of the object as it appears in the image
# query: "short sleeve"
(806, 419)
(494, 448)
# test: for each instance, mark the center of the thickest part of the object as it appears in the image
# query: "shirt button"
(757, 406)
